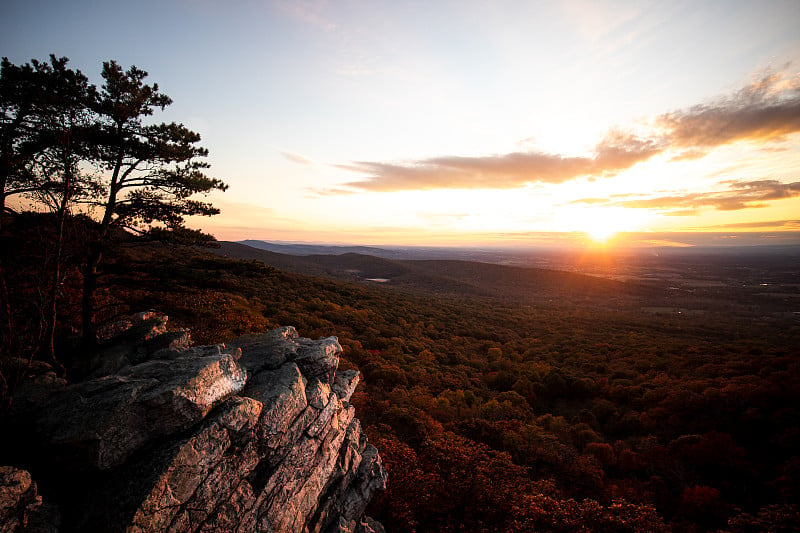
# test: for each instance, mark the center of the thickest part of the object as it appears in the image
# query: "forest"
(498, 416)
(570, 411)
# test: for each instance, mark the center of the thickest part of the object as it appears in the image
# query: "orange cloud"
(455, 172)
(766, 224)
(612, 155)
(766, 110)
(738, 195)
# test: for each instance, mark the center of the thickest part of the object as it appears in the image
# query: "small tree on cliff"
(151, 172)
(46, 125)
(18, 96)
(64, 129)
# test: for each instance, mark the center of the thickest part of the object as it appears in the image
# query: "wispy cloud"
(456, 172)
(297, 158)
(661, 243)
(766, 224)
(737, 195)
(613, 154)
(311, 12)
(332, 191)
(766, 110)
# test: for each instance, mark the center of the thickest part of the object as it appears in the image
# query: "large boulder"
(257, 435)
(101, 422)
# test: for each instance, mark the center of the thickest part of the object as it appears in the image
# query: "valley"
(750, 282)
(645, 393)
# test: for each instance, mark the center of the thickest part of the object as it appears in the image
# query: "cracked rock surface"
(257, 435)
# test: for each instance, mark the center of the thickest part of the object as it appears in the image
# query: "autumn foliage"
(496, 416)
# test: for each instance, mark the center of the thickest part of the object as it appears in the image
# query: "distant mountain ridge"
(316, 249)
(448, 276)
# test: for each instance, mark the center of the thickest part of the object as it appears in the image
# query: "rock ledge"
(255, 435)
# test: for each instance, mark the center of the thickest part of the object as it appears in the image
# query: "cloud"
(455, 172)
(785, 224)
(766, 110)
(616, 152)
(738, 195)
(332, 191)
(311, 12)
(297, 158)
(590, 201)
(661, 243)
(689, 154)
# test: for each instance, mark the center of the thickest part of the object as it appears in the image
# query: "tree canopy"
(73, 148)
(151, 170)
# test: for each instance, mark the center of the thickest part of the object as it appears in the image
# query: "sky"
(465, 122)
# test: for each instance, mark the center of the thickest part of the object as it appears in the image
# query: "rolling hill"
(455, 277)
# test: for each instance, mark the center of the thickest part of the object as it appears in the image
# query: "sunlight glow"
(600, 234)
(601, 224)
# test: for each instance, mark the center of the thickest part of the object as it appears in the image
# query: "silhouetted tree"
(18, 96)
(151, 172)
(46, 129)
(65, 123)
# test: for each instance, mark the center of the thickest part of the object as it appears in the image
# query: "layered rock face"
(255, 435)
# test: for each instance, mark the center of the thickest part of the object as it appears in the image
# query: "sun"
(600, 234)
(602, 225)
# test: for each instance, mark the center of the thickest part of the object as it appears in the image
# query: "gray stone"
(255, 435)
(370, 478)
(366, 525)
(318, 394)
(327, 417)
(268, 350)
(359, 475)
(102, 421)
(282, 392)
(203, 471)
(319, 359)
(18, 498)
(173, 341)
(295, 488)
(345, 383)
(131, 341)
(370, 525)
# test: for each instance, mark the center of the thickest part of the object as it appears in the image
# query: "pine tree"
(47, 124)
(151, 171)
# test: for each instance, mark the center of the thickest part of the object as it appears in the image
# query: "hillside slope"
(455, 277)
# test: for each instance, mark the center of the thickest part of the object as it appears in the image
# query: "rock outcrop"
(18, 498)
(255, 435)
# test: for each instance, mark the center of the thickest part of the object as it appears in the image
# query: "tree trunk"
(88, 296)
(48, 349)
(95, 255)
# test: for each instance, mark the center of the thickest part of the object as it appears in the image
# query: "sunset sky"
(464, 122)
